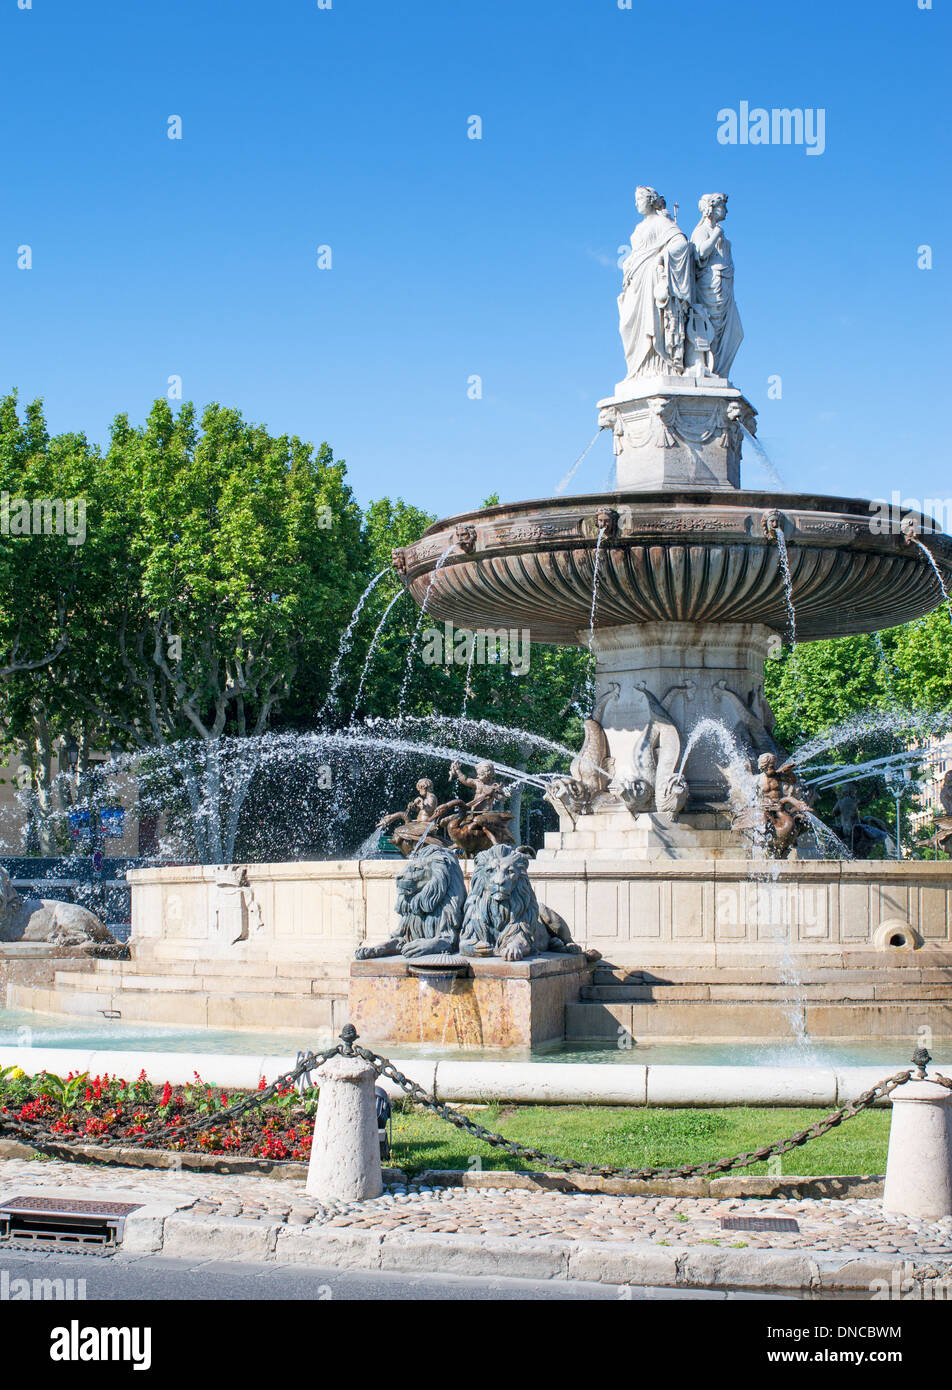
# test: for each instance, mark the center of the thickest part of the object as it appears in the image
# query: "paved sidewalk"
(669, 1241)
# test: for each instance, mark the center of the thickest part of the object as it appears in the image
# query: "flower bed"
(85, 1109)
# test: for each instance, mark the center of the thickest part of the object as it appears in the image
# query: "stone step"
(899, 970)
(749, 1021)
(166, 963)
(578, 855)
(860, 992)
(132, 979)
(159, 984)
(192, 1009)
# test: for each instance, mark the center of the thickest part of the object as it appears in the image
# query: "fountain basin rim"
(762, 500)
(686, 556)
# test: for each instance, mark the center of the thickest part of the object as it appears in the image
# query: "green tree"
(56, 585)
(220, 562)
(922, 656)
(248, 558)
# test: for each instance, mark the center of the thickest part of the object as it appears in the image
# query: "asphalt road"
(150, 1278)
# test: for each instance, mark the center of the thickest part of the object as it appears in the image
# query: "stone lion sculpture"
(503, 917)
(45, 919)
(430, 897)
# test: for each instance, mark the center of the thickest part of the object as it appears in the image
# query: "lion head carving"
(429, 906)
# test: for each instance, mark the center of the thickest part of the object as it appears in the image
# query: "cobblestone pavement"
(537, 1216)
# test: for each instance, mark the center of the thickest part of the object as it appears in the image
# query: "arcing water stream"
(561, 486)
(371, 650)
(936, 571)
(593, 617)
(346, 642)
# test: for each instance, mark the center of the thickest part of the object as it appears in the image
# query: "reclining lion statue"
(503, 916)
(430, 896)
(45, 919)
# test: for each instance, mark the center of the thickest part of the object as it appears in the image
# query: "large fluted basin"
(674, 556)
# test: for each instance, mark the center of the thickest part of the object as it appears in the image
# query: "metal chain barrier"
(384, 1067)
(347, 1047)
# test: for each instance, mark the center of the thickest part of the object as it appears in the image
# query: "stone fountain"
(682, 583)
(674, 813)
(681, 568)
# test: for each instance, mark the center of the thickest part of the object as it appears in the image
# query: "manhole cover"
(69, 1207)
(63, 1222)
(759, 1223)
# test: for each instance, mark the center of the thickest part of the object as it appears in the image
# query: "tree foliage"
(220, 567)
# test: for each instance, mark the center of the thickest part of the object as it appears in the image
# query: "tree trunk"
(42, 800)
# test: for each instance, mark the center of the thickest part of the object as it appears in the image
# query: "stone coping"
(479, 1082)
(577, 865)
(46, 950)
(828, 1187)
(481, 967)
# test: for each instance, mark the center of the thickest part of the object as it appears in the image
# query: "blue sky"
(454, 257)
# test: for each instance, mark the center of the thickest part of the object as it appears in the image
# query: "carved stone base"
(677, 432)
(613, 834)
(666, 678)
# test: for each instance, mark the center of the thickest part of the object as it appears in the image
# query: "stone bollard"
(919, 1164)
(345, 1151)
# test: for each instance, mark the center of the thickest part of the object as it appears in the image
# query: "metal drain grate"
(759, 1223)
(62, 1223)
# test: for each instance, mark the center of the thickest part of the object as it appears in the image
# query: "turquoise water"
(22, 1029)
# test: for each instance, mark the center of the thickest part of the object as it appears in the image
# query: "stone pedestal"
(497, 1003)
(677, 431)
(919, 1164)
(613, 833)
(345, 1152)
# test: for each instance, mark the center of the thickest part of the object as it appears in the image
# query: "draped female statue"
(657, 291)
(714, 283)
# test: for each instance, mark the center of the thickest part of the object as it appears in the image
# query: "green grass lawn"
(629, 1137)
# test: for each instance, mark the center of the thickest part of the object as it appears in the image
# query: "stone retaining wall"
(637, 913)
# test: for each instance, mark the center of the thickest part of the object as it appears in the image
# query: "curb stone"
(219, 1237)
(336, 1247)
(611, 1262)
(476, 1255)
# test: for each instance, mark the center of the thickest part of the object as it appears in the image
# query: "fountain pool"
(680, 582)
(29, 1029)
